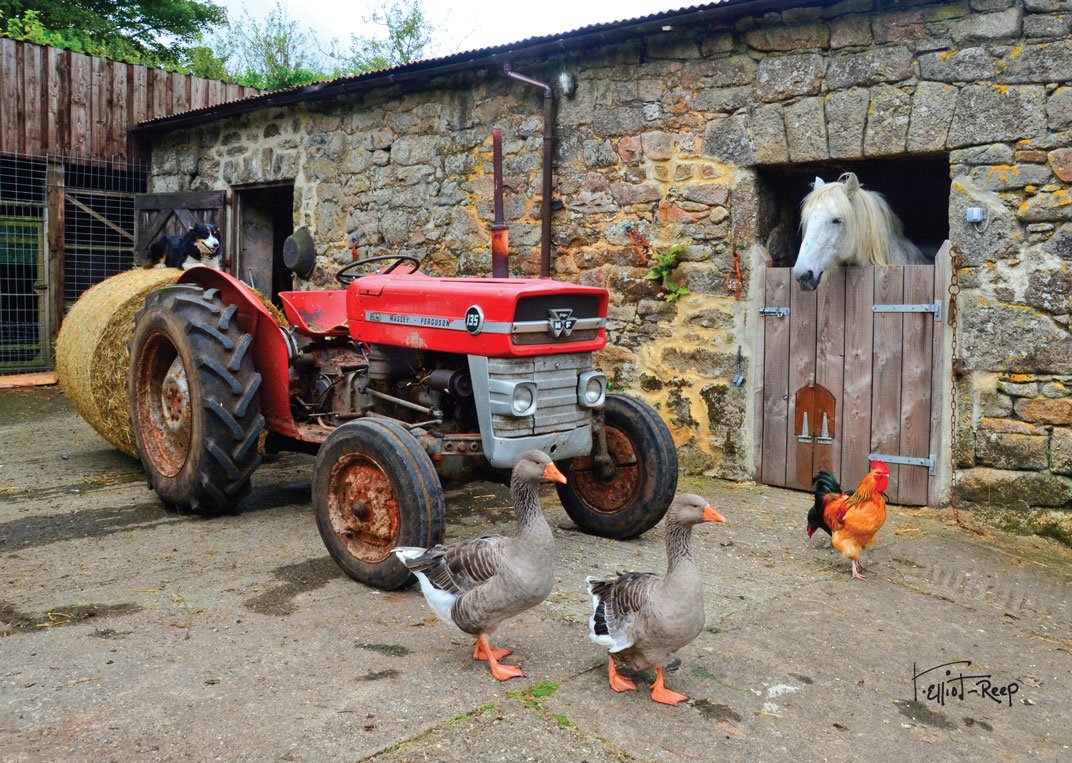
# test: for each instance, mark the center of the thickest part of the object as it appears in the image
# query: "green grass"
(471, 714)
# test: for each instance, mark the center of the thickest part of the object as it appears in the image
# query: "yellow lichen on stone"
(1005, 169)
(686, 338)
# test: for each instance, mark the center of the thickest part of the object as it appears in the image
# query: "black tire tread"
(218, 469)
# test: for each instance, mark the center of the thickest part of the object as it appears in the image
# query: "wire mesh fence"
(65, 225)
(98, 223)
(23, 274)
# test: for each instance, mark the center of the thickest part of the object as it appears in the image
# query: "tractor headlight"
(591, 389)
(512, 398)
(523, 401)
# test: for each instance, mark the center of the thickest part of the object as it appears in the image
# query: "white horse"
(845, 224)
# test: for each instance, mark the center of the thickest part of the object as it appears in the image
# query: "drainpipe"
(548, 146)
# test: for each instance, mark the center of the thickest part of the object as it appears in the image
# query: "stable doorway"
(264, 218)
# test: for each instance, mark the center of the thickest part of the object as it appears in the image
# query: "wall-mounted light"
(567, 84)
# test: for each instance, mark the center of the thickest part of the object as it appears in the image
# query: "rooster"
(851, 520)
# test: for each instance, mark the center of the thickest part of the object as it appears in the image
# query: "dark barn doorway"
(916, 187)
(265, 217)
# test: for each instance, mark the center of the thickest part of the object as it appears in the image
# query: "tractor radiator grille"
(537, 310)
(556, 379)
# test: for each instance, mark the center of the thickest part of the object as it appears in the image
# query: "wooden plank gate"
(174, 213)
(851, 371)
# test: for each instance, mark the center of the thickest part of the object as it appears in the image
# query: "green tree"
(139, 31)
(273, 53)
(408, 36)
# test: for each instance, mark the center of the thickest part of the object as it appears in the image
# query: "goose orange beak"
(710, 515)
(552, 473)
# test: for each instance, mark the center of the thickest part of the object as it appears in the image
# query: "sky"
(461, 24)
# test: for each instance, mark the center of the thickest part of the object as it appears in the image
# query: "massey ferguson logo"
(560, 322)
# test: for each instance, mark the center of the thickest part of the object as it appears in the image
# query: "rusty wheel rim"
(164, 418)
(609, 496)
(363, 508)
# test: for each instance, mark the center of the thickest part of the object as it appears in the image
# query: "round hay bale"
(278, 315)
(92, 361)
(91, 351)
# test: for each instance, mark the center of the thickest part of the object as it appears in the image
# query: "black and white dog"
(202, 240)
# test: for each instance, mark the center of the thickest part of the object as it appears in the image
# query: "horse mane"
(869, 222)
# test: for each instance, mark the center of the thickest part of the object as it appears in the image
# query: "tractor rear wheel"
(374, 488)
(637, 491)
(193, 400)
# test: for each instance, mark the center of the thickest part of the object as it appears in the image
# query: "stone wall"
(666, 133)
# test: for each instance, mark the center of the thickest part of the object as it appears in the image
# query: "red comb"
(881, 466)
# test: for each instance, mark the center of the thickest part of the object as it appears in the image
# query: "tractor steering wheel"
(346, 277)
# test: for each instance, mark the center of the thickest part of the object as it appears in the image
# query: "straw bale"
(91, 351)
(92, 359)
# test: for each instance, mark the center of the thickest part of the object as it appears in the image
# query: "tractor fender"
(271, 356)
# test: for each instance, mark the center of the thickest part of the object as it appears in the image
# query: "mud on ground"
(128, 633)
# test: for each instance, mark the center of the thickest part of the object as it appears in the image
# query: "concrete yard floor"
(128, 633)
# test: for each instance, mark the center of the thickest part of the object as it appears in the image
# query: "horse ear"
(818, 182)
(852, 183)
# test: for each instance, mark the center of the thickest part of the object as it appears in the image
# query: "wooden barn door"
(173, 213)
(849, 371)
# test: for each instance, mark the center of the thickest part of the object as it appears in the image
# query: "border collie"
(202, 240)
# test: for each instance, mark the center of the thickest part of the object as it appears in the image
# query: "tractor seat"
(318, 314)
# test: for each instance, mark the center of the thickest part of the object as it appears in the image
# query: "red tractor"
(396, 382)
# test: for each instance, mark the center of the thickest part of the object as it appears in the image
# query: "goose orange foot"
(618, 682)
(500, 672)
(660, 693)
(480, 653)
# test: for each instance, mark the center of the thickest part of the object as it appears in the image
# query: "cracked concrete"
(131, 634)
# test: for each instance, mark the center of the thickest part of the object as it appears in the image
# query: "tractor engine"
(338, 381)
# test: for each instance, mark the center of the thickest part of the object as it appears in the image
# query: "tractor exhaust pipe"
(548, 147)
(500, 236)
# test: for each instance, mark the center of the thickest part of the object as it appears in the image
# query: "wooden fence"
(55, 101)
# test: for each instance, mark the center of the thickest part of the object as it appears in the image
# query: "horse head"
(828, 222)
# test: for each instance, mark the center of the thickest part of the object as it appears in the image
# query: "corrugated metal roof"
(605, 32)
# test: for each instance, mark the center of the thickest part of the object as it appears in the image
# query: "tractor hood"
(495, 317)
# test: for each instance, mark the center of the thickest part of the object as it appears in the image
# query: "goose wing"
(616, 604)
(460, 567)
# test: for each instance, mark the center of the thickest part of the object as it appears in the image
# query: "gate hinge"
(931, 463)
(934, 307)
(777, 312)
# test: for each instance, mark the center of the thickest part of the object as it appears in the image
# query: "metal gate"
(23, 309)
(850, 372)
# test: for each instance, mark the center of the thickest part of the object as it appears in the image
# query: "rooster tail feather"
(825, 484)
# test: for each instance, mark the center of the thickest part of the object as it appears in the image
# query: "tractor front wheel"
(374, 488)
(631, 496)
(193, 400)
